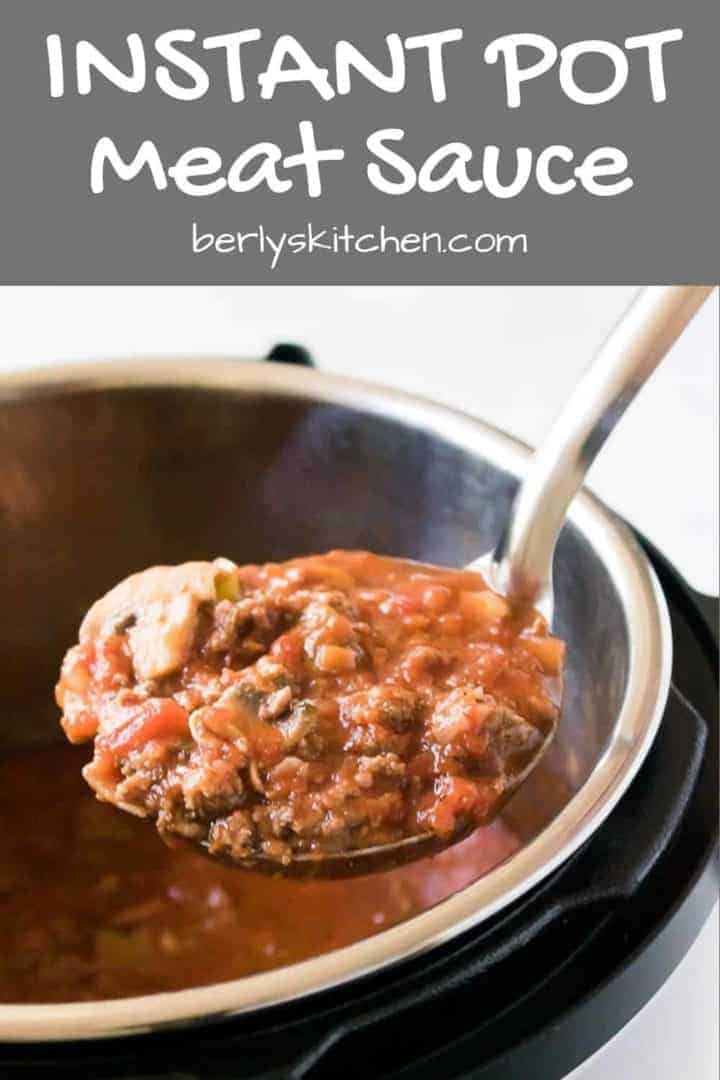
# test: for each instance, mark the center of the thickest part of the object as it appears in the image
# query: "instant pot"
(526, 972)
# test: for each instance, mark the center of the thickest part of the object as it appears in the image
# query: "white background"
(511, 355)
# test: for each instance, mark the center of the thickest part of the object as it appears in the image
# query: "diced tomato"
(75, 674)
(457, 800)
(334, 659)
(78, 722)
(399, 604)
(436, 598)
(548, 651)
(483, 607)
(268, 745)
(451, 624)
(489, 663)
(112, 662)
(421, 766)
(288, 650)
(155, 718)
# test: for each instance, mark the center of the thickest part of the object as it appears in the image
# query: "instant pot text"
(245, 68)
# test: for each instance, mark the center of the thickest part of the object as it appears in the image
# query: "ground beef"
(324, 704)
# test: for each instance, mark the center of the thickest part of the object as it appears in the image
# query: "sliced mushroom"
(160, 606)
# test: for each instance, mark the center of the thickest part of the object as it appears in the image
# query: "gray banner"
(220, 124)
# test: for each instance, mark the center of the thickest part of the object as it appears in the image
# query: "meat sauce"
(93, 905)
(325, 704)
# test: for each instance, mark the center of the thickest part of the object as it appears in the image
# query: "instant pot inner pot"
(97, 483)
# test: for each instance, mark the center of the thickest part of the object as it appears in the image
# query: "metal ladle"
(520, 567)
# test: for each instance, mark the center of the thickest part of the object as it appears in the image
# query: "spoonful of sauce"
(343, 712)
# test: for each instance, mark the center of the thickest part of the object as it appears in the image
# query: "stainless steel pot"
(107, 468)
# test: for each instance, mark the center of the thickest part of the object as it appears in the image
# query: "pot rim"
(649, 672)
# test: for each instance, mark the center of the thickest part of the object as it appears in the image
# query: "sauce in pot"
(94, 905)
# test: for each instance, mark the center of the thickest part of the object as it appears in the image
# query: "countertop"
(510, 355)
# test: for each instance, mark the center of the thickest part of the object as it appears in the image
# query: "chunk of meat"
(392, 706)
(470, 723)
(370, 769)
(138, 723)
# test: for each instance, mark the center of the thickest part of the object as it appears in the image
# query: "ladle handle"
(634, 348)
